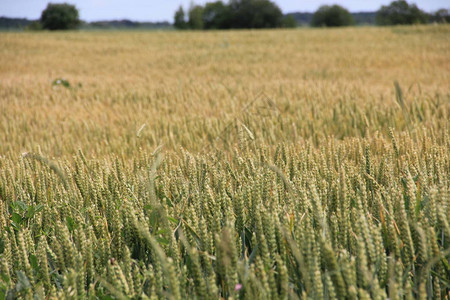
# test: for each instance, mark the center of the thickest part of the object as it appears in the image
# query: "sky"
(163, 10)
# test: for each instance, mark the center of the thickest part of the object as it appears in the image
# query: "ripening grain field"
(282, 164)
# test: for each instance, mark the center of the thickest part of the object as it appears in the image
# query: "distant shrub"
(399, 13)
(332, 16)
(60, 17)
(34, 26)
(61, 82)
(289, 22)
(441, 16)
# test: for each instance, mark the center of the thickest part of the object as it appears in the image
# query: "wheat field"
(273, 164)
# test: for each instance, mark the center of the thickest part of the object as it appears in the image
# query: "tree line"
(266, 14)
(252, 14)
(234, 14)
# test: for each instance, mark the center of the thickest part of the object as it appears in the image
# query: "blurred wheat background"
(187, 86)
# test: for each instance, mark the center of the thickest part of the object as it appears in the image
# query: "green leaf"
(445, 281)
(5, 278)
(21, 205)
(17, 218)
(3, 290)
(39, 207)
(2, 245)
(162, 231)
(162, 240)
(34, 262)
(70, 223)
(154, 218)
(173, 220)
(169, 202)
(23, 283)
(30, 212)
(192, 231)
(253, 255)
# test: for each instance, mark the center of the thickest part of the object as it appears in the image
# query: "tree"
(400, 12)
(180, 19)
(332, 16)
(60, 17)
(441, 16)
(255, 14)
(216, 15)
(235, 14)
(196, 17)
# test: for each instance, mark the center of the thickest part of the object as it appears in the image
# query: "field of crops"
(282, 164)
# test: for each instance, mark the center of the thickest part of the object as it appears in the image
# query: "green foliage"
(216, 15)
(61, 82)
(332, 16)
(34, 26)
(13, 23)
(400, 13)
(255, 14)
(441, 16)
(235, 14)
(60, 17)
(180, 19)
(289, 22)
(195, 17)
